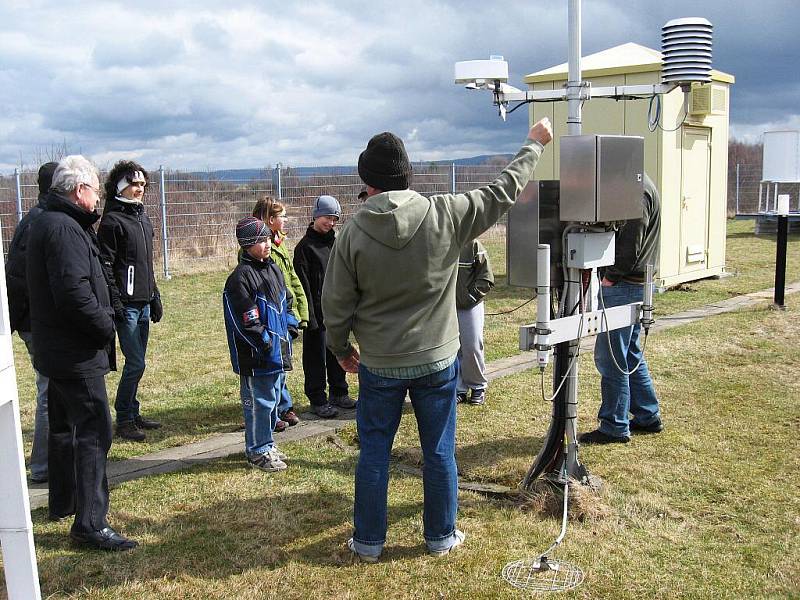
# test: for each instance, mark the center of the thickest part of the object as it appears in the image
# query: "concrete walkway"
(227, 444)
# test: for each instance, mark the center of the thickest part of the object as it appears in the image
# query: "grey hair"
(72, 171)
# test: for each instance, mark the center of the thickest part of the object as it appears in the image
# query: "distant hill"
(256, 174)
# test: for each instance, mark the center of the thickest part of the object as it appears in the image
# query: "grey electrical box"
(589, 250)
(534, 220)
(601, 178)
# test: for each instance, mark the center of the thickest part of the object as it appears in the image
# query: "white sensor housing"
(480, 71)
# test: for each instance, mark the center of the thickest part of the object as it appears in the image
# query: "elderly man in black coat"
(73, 336)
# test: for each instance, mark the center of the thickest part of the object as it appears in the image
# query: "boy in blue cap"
(310, 261)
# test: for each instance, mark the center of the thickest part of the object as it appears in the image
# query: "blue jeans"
(41, 423)
(285, 401)
(133, 331)
(378, 412)
(259, 398)
(623, 394)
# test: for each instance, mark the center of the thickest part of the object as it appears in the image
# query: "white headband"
(137, 176)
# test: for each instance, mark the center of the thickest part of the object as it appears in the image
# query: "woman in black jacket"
(126, 251)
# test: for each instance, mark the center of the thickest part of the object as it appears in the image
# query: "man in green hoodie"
(391, 281)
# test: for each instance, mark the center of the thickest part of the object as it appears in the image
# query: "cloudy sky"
(205, 84)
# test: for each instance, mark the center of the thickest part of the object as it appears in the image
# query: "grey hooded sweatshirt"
(391, 278)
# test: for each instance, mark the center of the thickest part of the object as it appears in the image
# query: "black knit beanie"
(384, 164)
(45, 178)
(251, 231)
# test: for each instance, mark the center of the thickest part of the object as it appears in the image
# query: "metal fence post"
(19, 195)
(164, 237)
(278, 187)
(453, 178)
(737, 188)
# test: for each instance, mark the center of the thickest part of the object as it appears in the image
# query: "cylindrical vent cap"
(686, 48)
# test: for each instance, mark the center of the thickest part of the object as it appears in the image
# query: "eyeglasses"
(139, 183)
(96, 190)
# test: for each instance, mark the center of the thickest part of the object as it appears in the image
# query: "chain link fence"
(752, 196)
(195, 214)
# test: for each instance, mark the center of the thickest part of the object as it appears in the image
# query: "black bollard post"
(780, 261)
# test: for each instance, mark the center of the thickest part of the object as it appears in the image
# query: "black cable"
(508, 312)
(508, 112)
(653, 124)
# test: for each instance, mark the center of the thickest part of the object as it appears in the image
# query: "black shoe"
(461, 397)
(655, 427)
(104, 539)
(38, 479)
(143, 423)
(326, 411)
(344, 401)
(280, 426)
(477, 397)
(598, 437)
(129, 431)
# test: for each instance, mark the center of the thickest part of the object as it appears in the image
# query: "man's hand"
(350, 362)
(606, 283)
(541, 132)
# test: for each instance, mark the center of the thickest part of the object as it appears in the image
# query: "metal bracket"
(582, 325)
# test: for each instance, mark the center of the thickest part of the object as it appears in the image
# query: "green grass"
(707, 509)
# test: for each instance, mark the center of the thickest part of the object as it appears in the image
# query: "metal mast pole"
(573, 287)
(574, 81)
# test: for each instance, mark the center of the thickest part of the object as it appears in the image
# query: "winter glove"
(119, 310)
(293, 332)
(156, 308)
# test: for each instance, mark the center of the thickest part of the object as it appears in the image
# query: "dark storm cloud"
(193, 84)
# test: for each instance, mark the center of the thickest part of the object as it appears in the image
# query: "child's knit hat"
(327, 206)
(250, 231)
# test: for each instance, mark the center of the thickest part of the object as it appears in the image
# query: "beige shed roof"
(626, 58)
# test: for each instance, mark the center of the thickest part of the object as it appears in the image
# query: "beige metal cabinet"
(689, 165)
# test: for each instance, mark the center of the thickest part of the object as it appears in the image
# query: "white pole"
(543, 303)
(16, 528)
(164, 228)
(574, 81)
(19, 195)
(573, 291)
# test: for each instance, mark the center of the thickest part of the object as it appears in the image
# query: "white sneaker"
(267, 462)
(362, 557)
(459, 540)
(278, 453)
